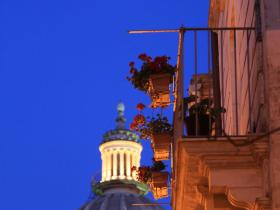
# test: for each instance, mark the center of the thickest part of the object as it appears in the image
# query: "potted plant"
(161, 135)
(154, 78)
(158, 130)
(202, 111)
(155, 177)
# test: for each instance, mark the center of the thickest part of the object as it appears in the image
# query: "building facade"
(238, 167)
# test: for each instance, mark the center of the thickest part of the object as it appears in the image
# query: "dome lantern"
(119, 188)
(120, 150)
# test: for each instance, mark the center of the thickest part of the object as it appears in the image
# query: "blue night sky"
(63, 68)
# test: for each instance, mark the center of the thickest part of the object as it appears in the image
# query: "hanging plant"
(140, 78)
(147, 127)
(158, 130)
(154, 77)
(144, 173)
(155, 177)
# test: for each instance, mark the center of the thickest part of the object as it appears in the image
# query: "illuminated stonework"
(120, 150)
(118, 157)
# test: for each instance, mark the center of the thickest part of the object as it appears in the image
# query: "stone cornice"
(207, 166)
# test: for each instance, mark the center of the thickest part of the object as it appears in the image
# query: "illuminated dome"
(119, 189)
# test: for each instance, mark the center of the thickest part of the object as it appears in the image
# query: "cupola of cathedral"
(119, 189)
(120, 150)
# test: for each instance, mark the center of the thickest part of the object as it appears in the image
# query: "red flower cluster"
(134, 126)
(159, 63)
(145, 58)
(159, 60)
(140, 106)
(138, 121)
(143, 173)
(140, 78)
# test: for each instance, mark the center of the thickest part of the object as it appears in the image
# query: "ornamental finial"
(120, 107)
(120, 119)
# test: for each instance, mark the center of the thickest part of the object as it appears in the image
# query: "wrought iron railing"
(218, 66)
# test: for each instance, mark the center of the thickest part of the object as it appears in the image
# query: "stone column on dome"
(122, 165)
(103, 167)
(115, 165)
(128, 165)
(106, 165)
(108, 161)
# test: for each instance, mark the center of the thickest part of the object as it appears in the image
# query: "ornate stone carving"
(222, 168)
(203, 186)
(263, 204)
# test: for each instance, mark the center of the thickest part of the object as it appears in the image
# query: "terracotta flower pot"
(159, 184)
(161, 146)
(159, 89)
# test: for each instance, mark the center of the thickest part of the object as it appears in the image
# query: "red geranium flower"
(139, 119)
(143, 57)
(140, 107)
(133, 126)
(133, 168)
(132, 71)
(149, 59)
(161, 59)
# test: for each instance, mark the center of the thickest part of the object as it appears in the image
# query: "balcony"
(219, 161)
(221, 64)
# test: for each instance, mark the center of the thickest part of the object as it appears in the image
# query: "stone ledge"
(224, 168)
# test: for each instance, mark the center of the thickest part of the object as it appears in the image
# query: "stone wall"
(271, 45)
(241, 84)
(263, 89)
